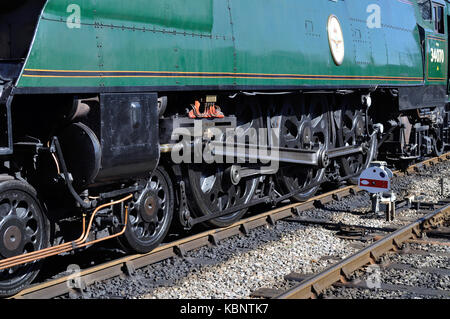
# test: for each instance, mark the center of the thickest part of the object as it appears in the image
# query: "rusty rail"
(314, 286)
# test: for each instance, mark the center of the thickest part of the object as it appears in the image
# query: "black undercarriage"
(188, 159)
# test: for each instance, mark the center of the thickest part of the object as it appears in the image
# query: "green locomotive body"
(209, 44)
(94, 95)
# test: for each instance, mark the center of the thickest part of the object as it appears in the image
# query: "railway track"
(127, 265)
(366, 283)
(339, 275)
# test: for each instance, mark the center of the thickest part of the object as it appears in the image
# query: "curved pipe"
(85, 205)
(66, 247)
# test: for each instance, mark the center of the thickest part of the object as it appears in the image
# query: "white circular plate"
(336, 39)
(375, 180)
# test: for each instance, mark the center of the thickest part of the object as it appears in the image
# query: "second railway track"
(129, 264)
(340, 274)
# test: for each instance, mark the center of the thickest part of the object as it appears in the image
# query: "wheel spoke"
(353, 132)
(313, 133)
(13, 211)
(150, 214)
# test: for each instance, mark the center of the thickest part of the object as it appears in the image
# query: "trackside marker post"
(377, 180)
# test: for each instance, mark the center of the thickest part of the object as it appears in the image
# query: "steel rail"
(127, 265)
(340, 272)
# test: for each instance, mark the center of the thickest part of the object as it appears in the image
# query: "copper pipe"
(57, 249)
(96, 211)
(51, 251)
(46, 249)
(111, 236)
(66, 247)
(55, 159)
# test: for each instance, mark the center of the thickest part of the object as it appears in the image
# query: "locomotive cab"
(18, 20)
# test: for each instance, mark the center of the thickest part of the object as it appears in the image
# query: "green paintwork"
(231, 42)
(436, 69)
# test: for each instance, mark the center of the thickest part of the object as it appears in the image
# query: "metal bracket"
(129, 268)
(184, 213)
(389, 201)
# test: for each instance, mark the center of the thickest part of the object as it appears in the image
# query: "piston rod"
(251, 153)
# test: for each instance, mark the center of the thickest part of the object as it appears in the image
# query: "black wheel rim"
(149, 218)
(22, 230)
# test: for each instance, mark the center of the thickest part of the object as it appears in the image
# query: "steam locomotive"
(120, 119)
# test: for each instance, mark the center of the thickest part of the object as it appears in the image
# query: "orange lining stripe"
(226, 73)
(218, 77)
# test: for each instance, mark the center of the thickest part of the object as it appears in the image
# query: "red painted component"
(374, 183)
(211, 111)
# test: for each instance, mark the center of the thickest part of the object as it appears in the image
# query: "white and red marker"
(376, 179)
